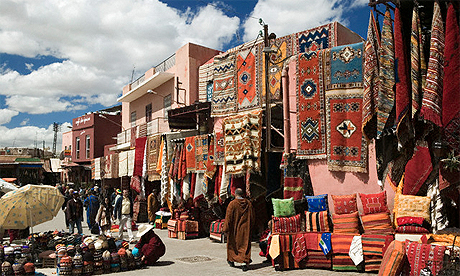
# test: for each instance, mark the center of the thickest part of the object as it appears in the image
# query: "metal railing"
(162, 67)
(155, 126)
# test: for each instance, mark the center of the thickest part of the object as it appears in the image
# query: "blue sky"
(61, 59)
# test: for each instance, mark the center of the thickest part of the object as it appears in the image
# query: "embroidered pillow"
(410, 221)
(374, 203)
(346, 223)
(410, 229)
(283, 207)
(393, 259)
(345, 204)
(378, 223)
(317, 221)
(412, 206)
(287, 225)
(424, 255)
(317, 203)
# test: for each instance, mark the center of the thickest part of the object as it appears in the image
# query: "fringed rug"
(131, 160)
(114, 160)
(123, 163)
(432, 94)
(318, 38)
(153, 149)
(201, 152)
(205, 77)
(347, 147)
(190, 154)
(139, 155)
(343, 67)
(210, 166)
(224, 98)
(248, 94)
(108, 166)
(219, 148)
(371, 80)
(310, 108)
(243, 135)
(418, 63)
(283, 49)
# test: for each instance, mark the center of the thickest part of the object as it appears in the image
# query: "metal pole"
(286, 113)
(267, 93)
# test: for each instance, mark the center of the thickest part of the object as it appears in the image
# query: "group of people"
(238, 226)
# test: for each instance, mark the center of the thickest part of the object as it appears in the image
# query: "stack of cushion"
(376, 216)
(412, 214)
(284, 219)
(345, 218)
(317, 216)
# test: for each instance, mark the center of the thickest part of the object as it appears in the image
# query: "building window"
(167, 105)
(77, 147)
(148, 112)
(133, 118)
(87, 146)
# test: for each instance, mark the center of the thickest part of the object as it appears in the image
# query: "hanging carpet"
(201, 152)
(190, 154)
(248, 94)
(153, 149)
(418, 63)
(219, 148)
(224, 98)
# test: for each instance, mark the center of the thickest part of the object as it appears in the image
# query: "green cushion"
(283, 207)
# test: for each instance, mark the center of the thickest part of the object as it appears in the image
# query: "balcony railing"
(162, 67)
(156, 126)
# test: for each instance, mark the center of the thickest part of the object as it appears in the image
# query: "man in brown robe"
(153, 205)
(239, 221)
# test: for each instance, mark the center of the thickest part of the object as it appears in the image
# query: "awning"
(186, 117)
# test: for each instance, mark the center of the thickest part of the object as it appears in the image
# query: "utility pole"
(55, 129)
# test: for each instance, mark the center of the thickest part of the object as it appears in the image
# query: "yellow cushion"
(412, 206)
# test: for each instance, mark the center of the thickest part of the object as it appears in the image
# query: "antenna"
(132, 74)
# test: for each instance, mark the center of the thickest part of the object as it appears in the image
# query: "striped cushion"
(378, 223)
(345, 223)
(286, 225)
(216, 226)
(317, 221)
(393, 259)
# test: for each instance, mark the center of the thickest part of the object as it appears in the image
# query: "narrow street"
(194, 257)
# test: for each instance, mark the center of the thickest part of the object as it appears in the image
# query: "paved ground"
(195, 257)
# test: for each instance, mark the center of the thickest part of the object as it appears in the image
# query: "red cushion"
(286, 224)
(345, 204)
(377, 223)
(410, 229)
(374, 203)
(415, 221)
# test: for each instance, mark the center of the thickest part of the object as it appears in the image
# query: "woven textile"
(216, 226)
(371, 80)
(343, 262)
(108, 166)
(317, 260)
(317, 221)
(345, 224)
(374, 203)
(224, 99)
(412, 229)
(97, 168)
(248, 94)
(345, 204)
(139, 156)
(131, 160)
(347, 147)
(451, 93)
(317, 203)
(283, 49)
(293, 187)
(387, 75)
(123, 163)
(374, 247)
(164, 172)
(201, 152)
(219, 148)
(153, 149)
(344, 67)
(393, 259)
(210, 167)
(422, 255)
(418, 63)
(321, 37)
(417, 170)
(297, 170)
(114, 160)
(300, 248)
(378, 223)
(310, 107)
(402, 81)
(287, 224)
(190, 154)
(243, 135)
(432, 94)
(341, 248)
(439, 220)
(412, 206)
(205, 77)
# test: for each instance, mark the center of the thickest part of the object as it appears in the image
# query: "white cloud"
(25, 122)
(6, 115)
(286, 17)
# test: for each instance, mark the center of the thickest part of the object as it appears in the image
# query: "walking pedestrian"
(153, 205)
(103, 217)
(239, 221)
(92, 206)
(74, 212)
(123, 211)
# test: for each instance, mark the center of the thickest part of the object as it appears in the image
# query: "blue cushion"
(317, 203)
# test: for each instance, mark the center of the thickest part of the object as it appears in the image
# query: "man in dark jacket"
(123, 211)
(92, 206)
(74, 211)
